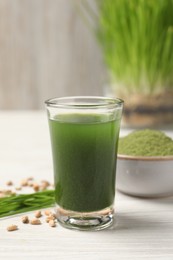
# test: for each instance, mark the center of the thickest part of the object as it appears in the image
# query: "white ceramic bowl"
(145, 176)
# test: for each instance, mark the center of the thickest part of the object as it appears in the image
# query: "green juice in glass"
(84, 149)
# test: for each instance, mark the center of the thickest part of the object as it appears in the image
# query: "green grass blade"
(26, 202)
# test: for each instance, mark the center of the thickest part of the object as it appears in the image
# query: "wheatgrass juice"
(84, 148)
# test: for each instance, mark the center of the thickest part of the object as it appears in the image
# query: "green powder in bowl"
(145, 163)
(146, 143)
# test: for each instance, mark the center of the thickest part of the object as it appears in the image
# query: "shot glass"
(84, 134)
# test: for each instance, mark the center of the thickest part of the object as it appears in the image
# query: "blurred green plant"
(136, 37)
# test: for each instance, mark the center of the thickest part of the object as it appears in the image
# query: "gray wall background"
(46, 50)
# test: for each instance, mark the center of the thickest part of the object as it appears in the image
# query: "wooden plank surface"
(143, 228)
(46, 50)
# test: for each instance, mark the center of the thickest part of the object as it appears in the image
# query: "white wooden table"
(143, 230)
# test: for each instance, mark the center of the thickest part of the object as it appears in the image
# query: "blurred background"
(54, 48)
(46, 50)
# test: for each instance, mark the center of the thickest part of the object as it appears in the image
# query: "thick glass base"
(97, 220)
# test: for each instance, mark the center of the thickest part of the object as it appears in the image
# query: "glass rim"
(95, 102)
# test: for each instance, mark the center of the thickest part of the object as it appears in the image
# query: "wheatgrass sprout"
(17, 204)
(136, 37)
